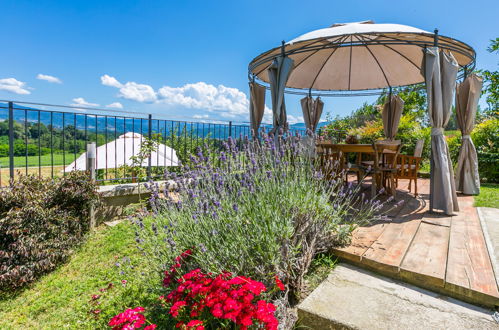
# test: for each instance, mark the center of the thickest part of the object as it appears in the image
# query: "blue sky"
(125, 53)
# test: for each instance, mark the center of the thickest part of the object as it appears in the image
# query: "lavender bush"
(261, 210)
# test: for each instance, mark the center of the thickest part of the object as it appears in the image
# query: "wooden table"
(359, 149)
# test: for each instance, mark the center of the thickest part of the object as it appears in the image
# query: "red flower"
(150, 327)
(279, 283)
(129, 319)
(195, 324)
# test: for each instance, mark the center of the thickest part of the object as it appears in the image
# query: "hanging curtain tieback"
(437, 131)
(468, 137)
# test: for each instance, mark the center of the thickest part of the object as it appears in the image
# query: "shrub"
(488, 166)
(41, 220)
(486, 136)
(264, 211)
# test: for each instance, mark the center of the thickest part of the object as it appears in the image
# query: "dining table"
(345, 149)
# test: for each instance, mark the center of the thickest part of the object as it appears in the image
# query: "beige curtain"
(279, 72)
(312, 111)
(467, 96)
(257, 106)
(391, 113)
(440, 72)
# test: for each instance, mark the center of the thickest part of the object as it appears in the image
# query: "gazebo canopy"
(358, 56)
(119, 152)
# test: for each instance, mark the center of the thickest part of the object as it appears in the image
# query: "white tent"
(118, 152)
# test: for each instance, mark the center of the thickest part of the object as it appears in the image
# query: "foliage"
(87, 290)
(41, 221)
(264, 211)
(409, 132)
(485, 136)
(491, 83)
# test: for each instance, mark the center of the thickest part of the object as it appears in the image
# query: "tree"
(491, 84)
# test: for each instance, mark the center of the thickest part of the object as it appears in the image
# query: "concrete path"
(489, 219)
(352, 298)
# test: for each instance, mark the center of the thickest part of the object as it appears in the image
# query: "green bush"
(488, 166)
(261, 212)
(41, 221)
(486, 136)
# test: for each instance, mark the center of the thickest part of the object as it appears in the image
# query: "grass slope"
(44, 160)
(489, 196)
(61, 299)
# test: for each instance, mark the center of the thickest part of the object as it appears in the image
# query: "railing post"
(230, 128)
(91, 155)
(149, 135)
(11, 141)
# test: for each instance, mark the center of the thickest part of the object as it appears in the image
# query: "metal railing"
(48, 140)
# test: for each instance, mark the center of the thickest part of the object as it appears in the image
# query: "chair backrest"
(418, 150)
(386, 153)
(329, 157)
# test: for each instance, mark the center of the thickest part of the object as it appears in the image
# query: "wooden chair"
(408, 167)
(330, 161)
(384, 166)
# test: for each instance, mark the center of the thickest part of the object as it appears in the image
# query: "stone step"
(353, 298)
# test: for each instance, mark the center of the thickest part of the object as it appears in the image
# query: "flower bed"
(259, 212)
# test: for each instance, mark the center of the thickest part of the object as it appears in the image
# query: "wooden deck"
(446, 254)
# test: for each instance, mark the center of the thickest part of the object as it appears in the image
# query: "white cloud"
(131, 90)
(201, 116)
(48, 78)
(14, 86)
(110, 81)
(295, 119)
(115, 105)
(226, 101)
(80, 102)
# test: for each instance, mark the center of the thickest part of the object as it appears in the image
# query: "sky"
(187, 59)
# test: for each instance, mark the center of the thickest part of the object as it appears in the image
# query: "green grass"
(45, 160)
(489, 195)
(61, 299)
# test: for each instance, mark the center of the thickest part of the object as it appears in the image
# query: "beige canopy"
(312, 111)
(391, 113)
(440, 70)
(467, 95)
(358, 56)
(257, 106)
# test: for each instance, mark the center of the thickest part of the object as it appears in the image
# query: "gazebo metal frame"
(443, 42)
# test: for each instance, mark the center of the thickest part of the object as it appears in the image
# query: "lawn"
(489, 195)
(62, 299)
(44, 160)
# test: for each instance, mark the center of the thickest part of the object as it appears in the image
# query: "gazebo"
(119, 152)
(365, 58)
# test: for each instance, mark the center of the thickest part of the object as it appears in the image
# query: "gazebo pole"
(432, 165)
(391, 114)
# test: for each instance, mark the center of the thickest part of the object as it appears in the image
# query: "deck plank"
(469, 266)
(426, 258)
(387, 252)
(362, 239)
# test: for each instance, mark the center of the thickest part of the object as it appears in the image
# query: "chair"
(408, 167)
(384, 166)
(329, 161)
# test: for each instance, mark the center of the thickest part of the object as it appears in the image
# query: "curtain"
(440, 72)
(467, 96)
(312, 111)
(391, 113)
(279, 72)
(257, 107)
